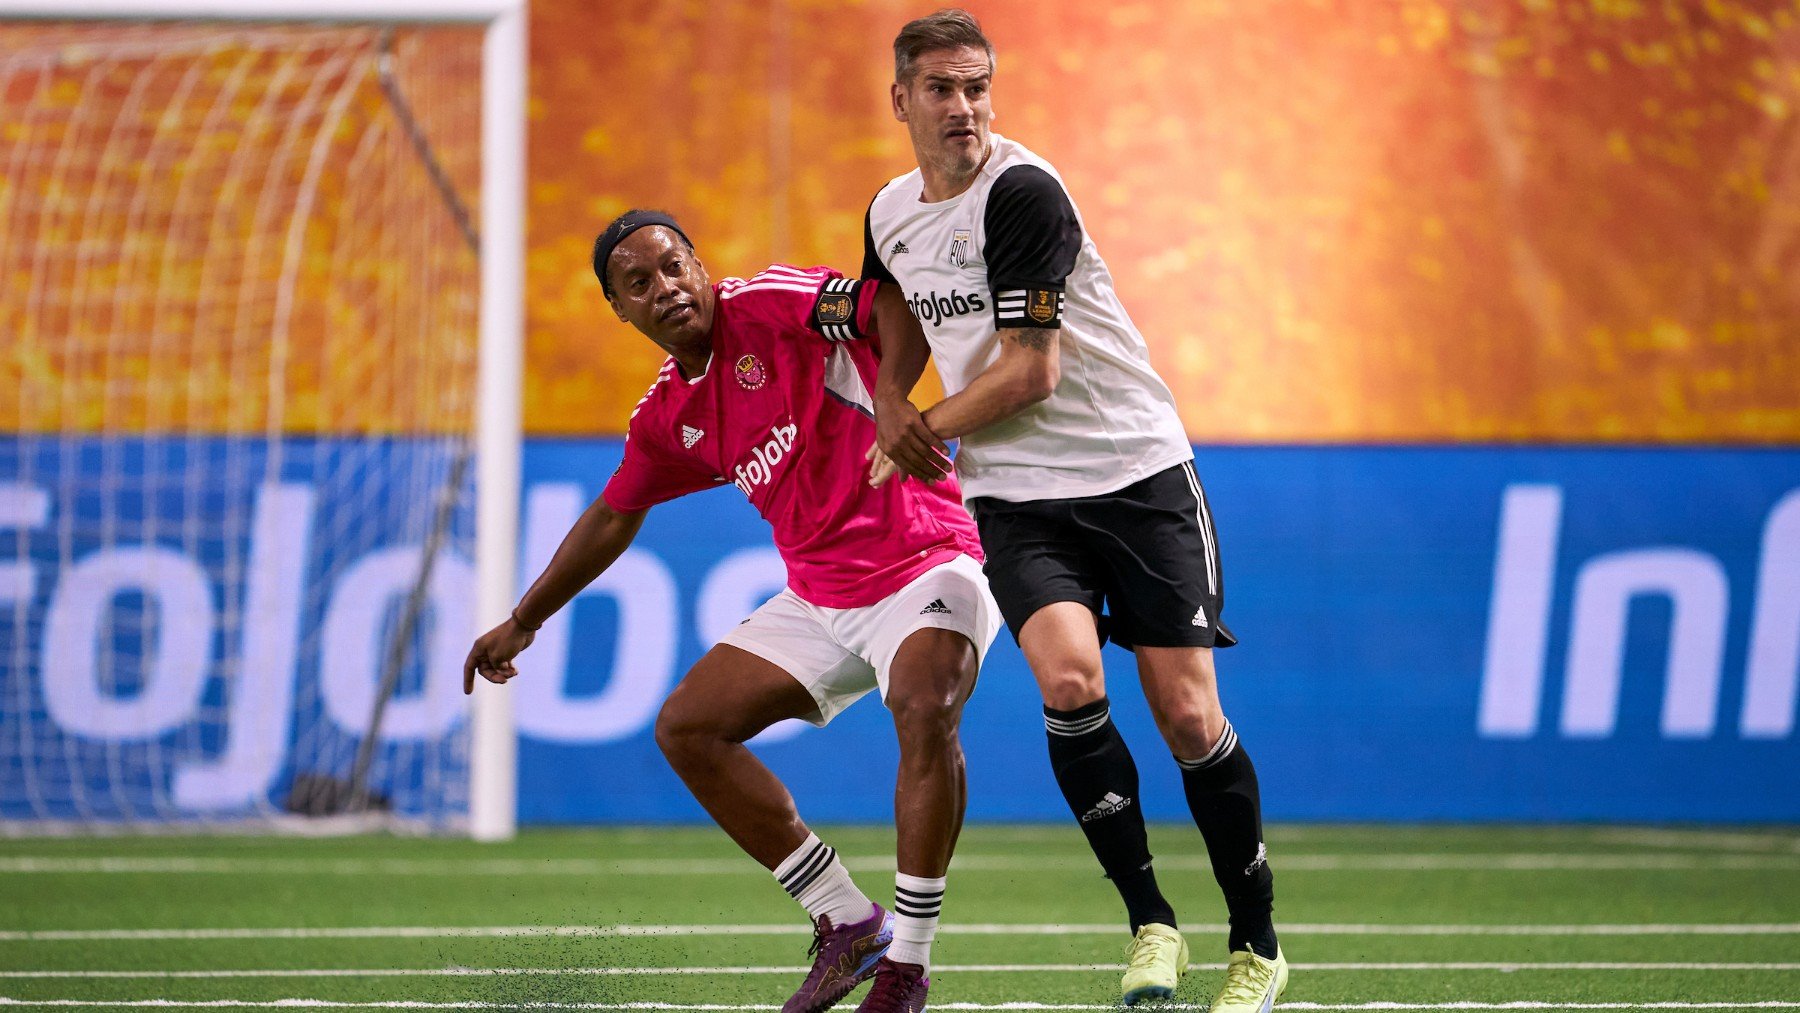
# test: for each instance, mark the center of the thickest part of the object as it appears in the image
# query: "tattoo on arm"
(1036, 339)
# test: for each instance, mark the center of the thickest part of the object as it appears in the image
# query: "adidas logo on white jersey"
(1200, 617)
(937, 605)
(1112, 803)
(690, 436)
(899, 248)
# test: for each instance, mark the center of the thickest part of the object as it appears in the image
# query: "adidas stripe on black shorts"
(1145, 559)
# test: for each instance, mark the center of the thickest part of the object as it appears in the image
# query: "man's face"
(661, 288)
(946, 109)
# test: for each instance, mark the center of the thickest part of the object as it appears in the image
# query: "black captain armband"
(834, 311)
(1028, 307)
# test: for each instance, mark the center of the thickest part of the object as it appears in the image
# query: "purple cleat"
(844, 957)
(898, 988)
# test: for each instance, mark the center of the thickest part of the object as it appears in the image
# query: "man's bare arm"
(1025, 373)
(598, 538)
(900, 432)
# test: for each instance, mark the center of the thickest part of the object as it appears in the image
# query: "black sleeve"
(1033, 238)
(873, 268)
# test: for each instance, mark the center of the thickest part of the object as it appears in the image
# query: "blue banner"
(1428, 634)
(187, 624)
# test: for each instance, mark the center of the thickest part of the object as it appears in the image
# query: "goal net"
(239, 284)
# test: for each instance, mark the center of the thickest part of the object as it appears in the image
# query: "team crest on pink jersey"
(751, 374)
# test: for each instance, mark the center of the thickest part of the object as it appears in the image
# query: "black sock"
(1098, 778)
(1222, 794)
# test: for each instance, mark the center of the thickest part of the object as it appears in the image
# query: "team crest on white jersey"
(959, 247)
(691, 436)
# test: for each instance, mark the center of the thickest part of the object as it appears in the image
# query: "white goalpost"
(263, 478)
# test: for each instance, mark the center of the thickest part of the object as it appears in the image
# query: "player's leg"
(1050, 589)
(1220, 783)
(927, 683)
(1093, 766)
(1161, 545)
(931, 678)
(926, 642)
(1099, 780)
(780, 663)
(726, 699)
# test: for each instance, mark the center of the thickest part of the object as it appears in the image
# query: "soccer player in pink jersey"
(767, 389)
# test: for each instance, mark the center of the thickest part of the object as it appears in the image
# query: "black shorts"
(1145, 559)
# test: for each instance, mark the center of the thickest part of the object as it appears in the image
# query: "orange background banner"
(1420, 221)
(1339, 222)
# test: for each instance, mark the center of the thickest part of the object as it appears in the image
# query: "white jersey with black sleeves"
(1011, 251)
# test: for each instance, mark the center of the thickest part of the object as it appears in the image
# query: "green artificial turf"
(1026, 902)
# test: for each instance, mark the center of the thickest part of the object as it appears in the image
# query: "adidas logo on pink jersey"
(757, 472)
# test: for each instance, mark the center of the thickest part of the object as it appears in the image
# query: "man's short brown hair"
(950, 28)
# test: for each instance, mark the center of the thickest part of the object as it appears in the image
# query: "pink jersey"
(783, 412)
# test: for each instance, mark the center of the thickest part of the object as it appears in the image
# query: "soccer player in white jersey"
(766, 388)
(1082, 482)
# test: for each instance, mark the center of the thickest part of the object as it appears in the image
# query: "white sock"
(916, 904)
(813, 876)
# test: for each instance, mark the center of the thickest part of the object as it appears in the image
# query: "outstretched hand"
(493, 654)
(908, 443)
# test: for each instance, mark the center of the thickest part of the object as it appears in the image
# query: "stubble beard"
(960, 167)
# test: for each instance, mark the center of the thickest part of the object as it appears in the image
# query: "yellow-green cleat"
(1252, 984)
(1154, 963)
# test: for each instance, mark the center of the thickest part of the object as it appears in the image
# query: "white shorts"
(841, 654)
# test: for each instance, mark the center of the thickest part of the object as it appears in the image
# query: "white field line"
(1314, 836)
(1700, 840)
(1432, 862)
(731, 1007)
(952, 928)
(509, 972)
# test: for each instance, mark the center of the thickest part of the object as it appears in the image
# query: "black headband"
(624, 226)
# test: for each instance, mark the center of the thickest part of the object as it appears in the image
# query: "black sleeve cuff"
(1028, 307)
(834, 310)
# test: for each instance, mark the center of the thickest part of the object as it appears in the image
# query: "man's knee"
(684, 731)
(925, 716)
(932, 675)
(1190, 724)
(1063, 650)
(673, 729)
(1070, 683)
(1182, 690)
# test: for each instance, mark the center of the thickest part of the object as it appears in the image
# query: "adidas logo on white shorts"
(937, 605)
(1112, 803)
